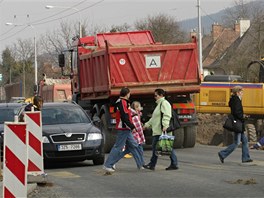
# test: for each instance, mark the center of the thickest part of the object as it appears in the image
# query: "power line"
(35, 24)
(58, 13)
(7, 31)
(14, 33)
(207, 14)
(94, 4)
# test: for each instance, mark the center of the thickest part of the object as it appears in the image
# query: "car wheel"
(99, 160)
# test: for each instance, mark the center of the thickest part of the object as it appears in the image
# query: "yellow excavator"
(215, 92)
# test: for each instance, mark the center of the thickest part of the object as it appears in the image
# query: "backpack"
(174, 121)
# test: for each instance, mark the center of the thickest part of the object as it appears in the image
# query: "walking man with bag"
(235, 104)
(160, 126)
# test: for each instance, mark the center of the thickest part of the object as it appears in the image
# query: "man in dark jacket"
(235, 104)
(124, 137)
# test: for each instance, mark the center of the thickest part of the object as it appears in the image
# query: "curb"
(30, 188)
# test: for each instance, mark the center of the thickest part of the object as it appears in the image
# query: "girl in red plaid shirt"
(138, 133)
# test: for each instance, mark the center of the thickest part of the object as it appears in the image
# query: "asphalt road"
(201, 174)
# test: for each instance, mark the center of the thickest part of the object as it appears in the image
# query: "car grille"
(68, 137)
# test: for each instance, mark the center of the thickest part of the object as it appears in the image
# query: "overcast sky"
(103, 13)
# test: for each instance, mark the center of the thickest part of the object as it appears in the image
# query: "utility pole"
(1, 87)
(200, 39)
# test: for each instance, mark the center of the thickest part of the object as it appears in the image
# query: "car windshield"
(7, 114)
(63, 115)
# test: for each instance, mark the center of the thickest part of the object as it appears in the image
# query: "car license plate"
(69, 147)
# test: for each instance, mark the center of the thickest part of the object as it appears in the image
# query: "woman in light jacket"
(158, 126)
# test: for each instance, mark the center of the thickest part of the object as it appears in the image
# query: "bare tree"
(120, 28)
(240, 10)
(164, 28)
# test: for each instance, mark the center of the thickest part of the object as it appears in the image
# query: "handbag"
(232, 124)
(174, 121)
(165, 144)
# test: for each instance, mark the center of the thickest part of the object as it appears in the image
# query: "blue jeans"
(124, 138)
(237, 138)
(154, 158)
(127, 151)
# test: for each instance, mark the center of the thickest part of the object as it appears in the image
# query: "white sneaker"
(108, 169)
(114, 167)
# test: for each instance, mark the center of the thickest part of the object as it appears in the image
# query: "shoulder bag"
(232, 124)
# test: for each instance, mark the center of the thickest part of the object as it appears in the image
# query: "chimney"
(193, 33)
(237, 27)
(216, 31)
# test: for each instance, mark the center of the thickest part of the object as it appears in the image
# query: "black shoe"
(247, 161)
(221, 158)
(172, 167)
(149, 167)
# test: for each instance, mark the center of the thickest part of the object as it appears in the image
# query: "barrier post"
(15, 159)
(35, 146)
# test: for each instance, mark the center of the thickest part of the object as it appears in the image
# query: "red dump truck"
(109, 61)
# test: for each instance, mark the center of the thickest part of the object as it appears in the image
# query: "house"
(216, 44)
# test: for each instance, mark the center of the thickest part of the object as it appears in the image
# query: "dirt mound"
(210, 129)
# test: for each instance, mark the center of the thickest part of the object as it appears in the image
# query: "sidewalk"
(30, 188)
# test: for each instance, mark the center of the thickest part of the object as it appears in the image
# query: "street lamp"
(35, 54)
(73, 8)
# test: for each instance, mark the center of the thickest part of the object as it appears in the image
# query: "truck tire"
(189, 136)
(228, 137)
(179, 138)
(109, 138)
(251, 132)
(260, 128)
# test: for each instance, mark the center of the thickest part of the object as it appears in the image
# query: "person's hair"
(124, 91)
(135, 104)
(236, 89)
(160, 92)
(37, 100)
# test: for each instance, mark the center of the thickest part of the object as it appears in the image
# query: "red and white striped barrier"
(15, 160)
(35, 146)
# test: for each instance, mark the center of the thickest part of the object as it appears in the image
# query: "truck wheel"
(260, 128)
(189, 136)
(251, 132)
(228, 137)
(108, 137)
(99, 160)
(179, 138)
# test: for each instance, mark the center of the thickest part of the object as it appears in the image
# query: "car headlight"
(45, 139)
(94, 136)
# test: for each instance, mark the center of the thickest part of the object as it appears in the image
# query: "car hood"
(69, 128)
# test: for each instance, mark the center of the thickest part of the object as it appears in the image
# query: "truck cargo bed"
(142, 68)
